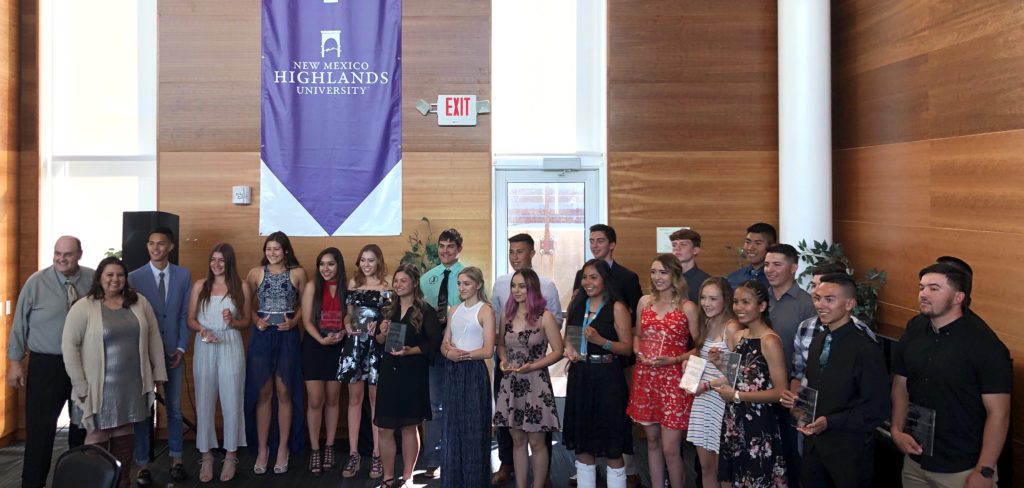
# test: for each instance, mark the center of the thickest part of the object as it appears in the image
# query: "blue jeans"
(172, 401)
(434, 429)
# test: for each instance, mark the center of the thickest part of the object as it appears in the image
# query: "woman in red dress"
(662, 345)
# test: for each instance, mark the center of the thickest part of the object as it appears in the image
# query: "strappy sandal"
(315, 463)
(388, 483)
(206, 470)
(376, 467)
(352, 466)
(328, 463)
(227, 471)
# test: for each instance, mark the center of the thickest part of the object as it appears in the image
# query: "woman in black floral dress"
(526, 401)
(751, 448)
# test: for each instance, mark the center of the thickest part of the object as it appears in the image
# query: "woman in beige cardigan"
(107, 341)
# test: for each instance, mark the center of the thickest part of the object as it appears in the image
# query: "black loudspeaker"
(135, 234)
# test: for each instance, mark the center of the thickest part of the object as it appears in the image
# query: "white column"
(805, 121)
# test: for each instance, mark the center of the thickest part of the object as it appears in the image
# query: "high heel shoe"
(258, 468)
(281, 468)
(227, 471)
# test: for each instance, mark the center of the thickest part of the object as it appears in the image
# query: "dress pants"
(434, 429)
(175, 429)
(47, 389)
(852, 467)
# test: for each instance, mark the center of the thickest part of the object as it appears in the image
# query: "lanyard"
(586, 323)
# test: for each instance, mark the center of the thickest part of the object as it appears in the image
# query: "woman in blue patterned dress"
(272, 363)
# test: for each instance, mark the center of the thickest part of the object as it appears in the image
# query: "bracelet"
(736, 396)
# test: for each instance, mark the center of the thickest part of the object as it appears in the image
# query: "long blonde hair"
(675, 271)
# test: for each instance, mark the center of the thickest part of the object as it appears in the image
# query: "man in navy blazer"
(167, 287)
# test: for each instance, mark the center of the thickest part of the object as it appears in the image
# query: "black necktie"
(162, 288)
(442, 300)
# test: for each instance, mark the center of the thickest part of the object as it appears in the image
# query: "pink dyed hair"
(535, 301)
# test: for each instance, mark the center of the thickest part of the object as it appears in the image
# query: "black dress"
(403, 392)
(596, 395)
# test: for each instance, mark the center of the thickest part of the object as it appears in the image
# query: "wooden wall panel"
(923, 70)
(692, 77)
(9, 168)
(209, 116)
(928, 127)
(692, 124)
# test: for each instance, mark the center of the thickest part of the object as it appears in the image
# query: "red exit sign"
(456, 110)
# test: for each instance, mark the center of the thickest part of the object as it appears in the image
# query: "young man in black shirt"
(949, 361)
(847, 369)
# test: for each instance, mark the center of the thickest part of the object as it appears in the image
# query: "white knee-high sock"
(586, 475)
(617, 477)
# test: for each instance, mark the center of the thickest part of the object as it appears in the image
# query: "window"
(97, 120)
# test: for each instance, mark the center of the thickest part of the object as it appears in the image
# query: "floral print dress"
(751, 447)
(526, 401)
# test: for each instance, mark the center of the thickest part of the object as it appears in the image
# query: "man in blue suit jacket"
(167, 287)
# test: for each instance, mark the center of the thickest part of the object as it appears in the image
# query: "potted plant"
(422, 254)
(822, 252)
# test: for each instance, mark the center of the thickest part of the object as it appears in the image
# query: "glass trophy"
(804, 406)
(274, 318)
(363, 319)
(691, 376)
(730, 365)
(574, 334)
(387, 297)
(920, 424)
(331, 324)
(396, 336)
(652, 343)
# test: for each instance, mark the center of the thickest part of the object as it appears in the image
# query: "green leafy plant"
(868, 287)
(113, 252)
(422, 253)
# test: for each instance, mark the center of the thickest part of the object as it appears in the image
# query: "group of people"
(417, 345)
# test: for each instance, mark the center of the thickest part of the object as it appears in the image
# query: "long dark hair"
(290, 261)
(231, 279)
(761, 293)
(319, 282)
(128, 293)
(416, 313)
(605, 271)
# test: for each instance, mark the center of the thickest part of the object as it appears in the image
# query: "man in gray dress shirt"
(38, 326)
(788, 305)
(520, 256)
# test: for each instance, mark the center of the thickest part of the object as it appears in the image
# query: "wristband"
(607, 345)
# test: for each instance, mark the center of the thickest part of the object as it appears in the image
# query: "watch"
(987, 472)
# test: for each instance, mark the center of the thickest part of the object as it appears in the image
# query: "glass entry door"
(555, 208)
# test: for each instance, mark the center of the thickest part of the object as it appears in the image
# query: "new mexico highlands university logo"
(326, 36)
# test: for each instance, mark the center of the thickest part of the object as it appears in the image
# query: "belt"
(599, 358)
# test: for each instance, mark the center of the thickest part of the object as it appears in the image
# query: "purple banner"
(331, 109)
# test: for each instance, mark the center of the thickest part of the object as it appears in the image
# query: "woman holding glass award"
(272, 366)
(656, 401)
(750, 449)
(468, 340)
(714, 334)
(323, 317)
(596, 424)
(409, 332)
(218, 308)
(369, 291)
(526, 400)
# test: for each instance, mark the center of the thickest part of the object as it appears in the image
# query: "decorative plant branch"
(821, 252)
(422, 254)
(113, 252)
